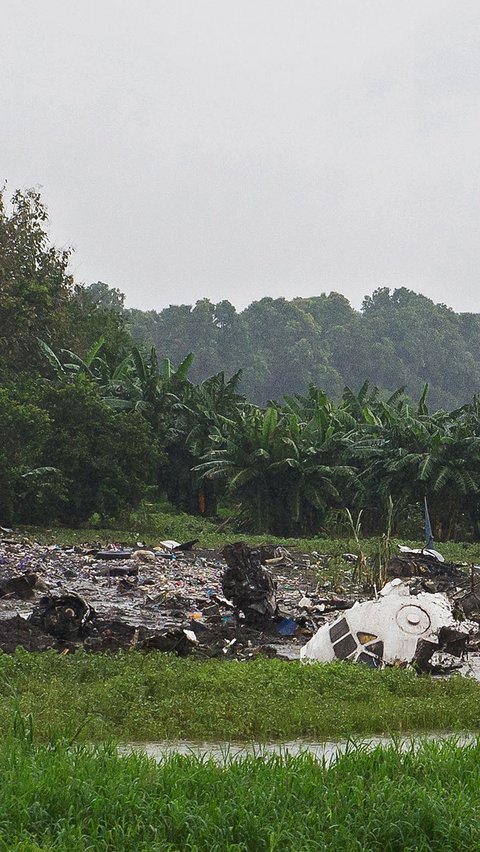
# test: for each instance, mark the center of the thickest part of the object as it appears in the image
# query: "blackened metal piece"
(452, 641)
(339, 629)
(248, 584)
(64, 616)
(345, 647)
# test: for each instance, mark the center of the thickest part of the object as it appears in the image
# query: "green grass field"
(68, 797)
(154, 696)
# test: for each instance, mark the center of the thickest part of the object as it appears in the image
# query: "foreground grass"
(135, 696)
(72, 798)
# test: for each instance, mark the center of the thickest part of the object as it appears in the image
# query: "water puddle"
(328, 750)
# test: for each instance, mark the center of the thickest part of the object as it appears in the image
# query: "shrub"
(23, 427)
(107, 459)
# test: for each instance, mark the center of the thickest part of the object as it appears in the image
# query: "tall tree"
(35, 285)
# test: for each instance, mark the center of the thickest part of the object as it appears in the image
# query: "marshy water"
(327, 750)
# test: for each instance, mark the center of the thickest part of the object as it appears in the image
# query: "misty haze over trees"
(399, 338)
(93, 420)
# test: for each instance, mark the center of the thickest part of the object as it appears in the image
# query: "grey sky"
(242, 148)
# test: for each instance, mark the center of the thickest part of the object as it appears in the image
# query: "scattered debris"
(275, 555)
(21, 586)
(187, 545)
(114, 554)
(170, 544)
(119, 571)
(287, 627)
(422, 551)
(175, 546)
(144, 555)
(263, 600)
(173, 640)
(425, 565)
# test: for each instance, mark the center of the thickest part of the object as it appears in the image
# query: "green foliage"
(200, 410)
(69, 797)
(399, 338)
(139, 383)
(23, 427)
(65, 454)
(284, 468)
(105, 458)
(139, 696)
(38, 298)
(116, 417)
(34, 282)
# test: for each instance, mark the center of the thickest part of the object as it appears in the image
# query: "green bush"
(106, 459)
(23, 427)
(65, 454)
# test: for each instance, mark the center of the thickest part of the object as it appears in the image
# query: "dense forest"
(94, 417)
(398, 339)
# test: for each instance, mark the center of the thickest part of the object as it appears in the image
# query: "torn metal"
(248, 584)
(396, 627)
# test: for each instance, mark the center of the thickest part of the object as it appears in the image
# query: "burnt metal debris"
(21, 586)
(240, 603)
(64, 616)
(248, 584)
(167, 596)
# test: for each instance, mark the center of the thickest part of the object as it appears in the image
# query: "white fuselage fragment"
(384, 630)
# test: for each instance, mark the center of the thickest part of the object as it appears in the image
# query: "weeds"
(74, 798)
(135, 696)
(360, 569)
(383, 554)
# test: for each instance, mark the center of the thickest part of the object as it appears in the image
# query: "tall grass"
(135, 696)
(62, 797)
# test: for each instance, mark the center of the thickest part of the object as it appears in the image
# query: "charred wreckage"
(239, 603)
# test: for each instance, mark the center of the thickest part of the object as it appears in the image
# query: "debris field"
(238, 603)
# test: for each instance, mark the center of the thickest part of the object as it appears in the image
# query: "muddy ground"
(148, 599)
(153, 598)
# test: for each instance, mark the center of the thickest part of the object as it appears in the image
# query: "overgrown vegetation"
(137, 696)
(91, 424)
(68, 797)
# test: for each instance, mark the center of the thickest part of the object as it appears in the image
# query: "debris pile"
(168, 597)
(428, 568)
(237, 603)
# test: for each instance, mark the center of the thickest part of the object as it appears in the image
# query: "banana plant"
(283, 470)
(71, 365)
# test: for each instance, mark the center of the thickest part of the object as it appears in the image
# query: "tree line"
(92, 421)
(398, 338)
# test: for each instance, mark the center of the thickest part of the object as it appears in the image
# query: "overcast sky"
(241, 148)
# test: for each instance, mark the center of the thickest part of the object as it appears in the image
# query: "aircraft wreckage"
(395, 627)
(398, 626)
